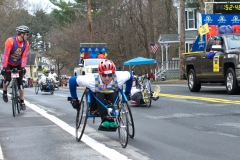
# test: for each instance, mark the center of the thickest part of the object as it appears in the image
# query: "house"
(31, 67)
(192, 23)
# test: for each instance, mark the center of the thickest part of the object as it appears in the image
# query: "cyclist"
(15, 56)
(106, 79)
(44, 78)
(53, 74)
(136, 94)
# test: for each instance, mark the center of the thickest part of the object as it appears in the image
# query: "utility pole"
(90, 20)
(182, 36)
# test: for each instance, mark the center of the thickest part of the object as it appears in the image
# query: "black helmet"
(22, 29)
(52, 69)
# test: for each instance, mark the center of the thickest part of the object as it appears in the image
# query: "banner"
(221, 19)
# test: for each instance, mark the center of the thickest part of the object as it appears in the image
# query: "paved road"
(180, 125)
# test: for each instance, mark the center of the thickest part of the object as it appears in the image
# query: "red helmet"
(106, 67)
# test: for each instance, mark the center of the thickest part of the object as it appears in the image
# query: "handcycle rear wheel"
(131, 129)
(82, 116)
(37, 87)
(123, 127)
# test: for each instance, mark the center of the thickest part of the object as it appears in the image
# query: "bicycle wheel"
(14, 98)
(131, 128)
(82, 115)
(123, 127)
(36, 87)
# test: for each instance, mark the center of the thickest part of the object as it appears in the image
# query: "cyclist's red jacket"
(15, 52)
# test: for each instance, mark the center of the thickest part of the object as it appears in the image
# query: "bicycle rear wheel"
(123, 127)
(14, 98)
(131, 129)
(82, 115)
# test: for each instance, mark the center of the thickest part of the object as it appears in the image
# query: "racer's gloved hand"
(23, 71)
(3, 71)
(75, 103)
(128, 96)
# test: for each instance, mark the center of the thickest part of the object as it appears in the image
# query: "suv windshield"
(233, 41)
(90, 62)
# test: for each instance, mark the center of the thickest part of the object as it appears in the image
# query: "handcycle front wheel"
(82, 116)
(131, 128)
(123, 127)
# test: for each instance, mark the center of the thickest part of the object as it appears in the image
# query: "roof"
(174, 38)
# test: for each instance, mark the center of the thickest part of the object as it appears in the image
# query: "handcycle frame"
(49, 82)
(141, 83)
(15, 96)
(124, 118)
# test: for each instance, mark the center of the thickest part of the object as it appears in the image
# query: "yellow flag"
(200, 31)
(205, 29)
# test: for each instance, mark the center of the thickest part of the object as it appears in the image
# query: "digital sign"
(230, 8)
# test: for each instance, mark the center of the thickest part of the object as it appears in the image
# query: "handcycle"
(121, 114)
(15, 95)
(143, 83)
(49, 85)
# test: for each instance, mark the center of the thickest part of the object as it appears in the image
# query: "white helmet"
(22, 29)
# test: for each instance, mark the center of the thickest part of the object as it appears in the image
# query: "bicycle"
(50, 86)
(15, 97)
(123, 117)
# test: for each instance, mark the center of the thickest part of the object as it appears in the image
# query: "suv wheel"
(231, 82)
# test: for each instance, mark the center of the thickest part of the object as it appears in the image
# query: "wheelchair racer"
(43, 79)
(106, 79)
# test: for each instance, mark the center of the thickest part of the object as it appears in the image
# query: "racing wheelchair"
(119, 111)
(49, 86)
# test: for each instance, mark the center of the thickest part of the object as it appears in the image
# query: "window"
(190, 19)
(188, 47)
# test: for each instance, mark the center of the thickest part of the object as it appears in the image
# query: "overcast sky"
(44, 4)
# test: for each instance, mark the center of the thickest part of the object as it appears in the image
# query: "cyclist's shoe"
(5, 97)
(23, 106)
(113, 124)
(105, 124)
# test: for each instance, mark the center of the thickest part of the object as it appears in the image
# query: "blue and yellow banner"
(221, 19)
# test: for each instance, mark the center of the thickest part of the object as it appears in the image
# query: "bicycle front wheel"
(82, 116)
(14, 98)
(123, 127)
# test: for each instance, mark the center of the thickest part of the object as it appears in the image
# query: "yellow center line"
(216, 100)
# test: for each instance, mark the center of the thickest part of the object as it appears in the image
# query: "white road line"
(99, 147)
(1, 154)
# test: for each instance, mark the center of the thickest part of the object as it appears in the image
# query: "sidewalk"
(171, 81)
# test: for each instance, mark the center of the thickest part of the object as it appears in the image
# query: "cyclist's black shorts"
(8, 76)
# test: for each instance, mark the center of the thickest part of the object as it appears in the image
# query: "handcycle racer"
(107, 79)
(136, 92)
(43, 80)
